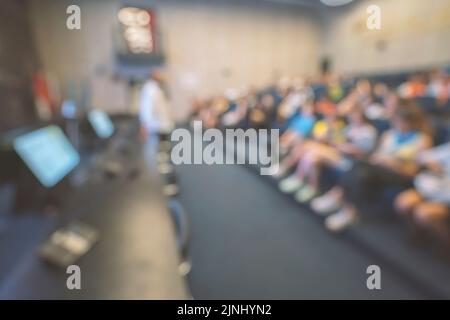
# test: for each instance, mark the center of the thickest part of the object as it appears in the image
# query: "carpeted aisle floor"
(250, 242)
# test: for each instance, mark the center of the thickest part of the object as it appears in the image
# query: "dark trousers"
(367, 184)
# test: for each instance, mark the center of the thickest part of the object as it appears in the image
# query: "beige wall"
(416, 34)
(213, 47)
(209, 46)
(78, 55)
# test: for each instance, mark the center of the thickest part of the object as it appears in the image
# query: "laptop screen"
(48, 154)
(101, 123)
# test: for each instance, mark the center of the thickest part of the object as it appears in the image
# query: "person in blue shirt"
(299, 128)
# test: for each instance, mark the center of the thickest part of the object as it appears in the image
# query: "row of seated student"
(371, 142)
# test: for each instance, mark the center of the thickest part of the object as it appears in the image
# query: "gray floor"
(250, 242)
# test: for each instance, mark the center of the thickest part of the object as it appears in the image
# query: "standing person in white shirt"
(154, 108)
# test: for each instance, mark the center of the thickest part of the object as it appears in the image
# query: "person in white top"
(427, 205)
(154, 108)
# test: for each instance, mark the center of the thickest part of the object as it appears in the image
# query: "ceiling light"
(336, 3)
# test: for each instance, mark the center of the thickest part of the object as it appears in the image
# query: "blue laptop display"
(101, 123)
(48, 154)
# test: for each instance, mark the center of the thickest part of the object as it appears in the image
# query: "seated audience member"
(326, 106)
(335, 88)
(329, 130)
(361, 95)
(360, 138)
(299, 128)
(438, 87)
(238, 113)
(413, 88)
(379, 115)
(428, 203)
(297, 97)
(380, 93)
(197, 106)
(377, 108)
(288, 107)
(207, 117)
(392, 165)
(391, 104)
(264, 113)
(304, 90)
(258, 118)
(270, 105)
(252, 96)
(385, 103)
(318, 86)
(211, 112)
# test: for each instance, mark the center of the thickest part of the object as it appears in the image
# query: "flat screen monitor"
(101, 123)
(48, 154)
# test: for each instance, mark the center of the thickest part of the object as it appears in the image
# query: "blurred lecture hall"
(192, 150)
